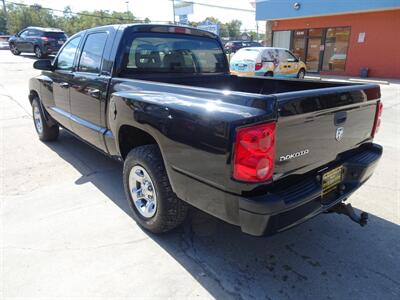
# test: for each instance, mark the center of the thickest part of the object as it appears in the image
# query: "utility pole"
(5, 14)
(173, 10)
(127, 7)
(257, 31)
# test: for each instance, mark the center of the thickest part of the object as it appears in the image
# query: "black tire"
(171, 211)
(301, 74)
(14, 50)
(38, 52)
(46, 132)
(269, 74)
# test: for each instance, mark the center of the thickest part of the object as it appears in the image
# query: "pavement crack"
(384, 276)
(77, 248)
(14, 118)
(16, 102)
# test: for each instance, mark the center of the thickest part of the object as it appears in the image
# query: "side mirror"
(43, 64)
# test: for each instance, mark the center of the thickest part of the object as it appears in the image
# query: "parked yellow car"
(267, 61)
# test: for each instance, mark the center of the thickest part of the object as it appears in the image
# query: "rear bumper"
(237, 73)
(51, 49)
(285, 204)
(294, 204)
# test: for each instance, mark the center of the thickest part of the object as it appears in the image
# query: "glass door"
(314, 49)
(299, 44)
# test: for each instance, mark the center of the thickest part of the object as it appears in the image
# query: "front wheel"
(301, 74)
(45, 131)
(154, 205)
(14, 50)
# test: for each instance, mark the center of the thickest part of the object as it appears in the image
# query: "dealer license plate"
(331, 179)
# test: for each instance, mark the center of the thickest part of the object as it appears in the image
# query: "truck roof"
(163, 28)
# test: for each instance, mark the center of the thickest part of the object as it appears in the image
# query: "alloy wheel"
(143, 192)
(38, 119)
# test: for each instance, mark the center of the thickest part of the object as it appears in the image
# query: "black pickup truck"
(261, 153)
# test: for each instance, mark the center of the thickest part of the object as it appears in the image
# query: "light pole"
(127, 7)
(173, 10)
(257, 31)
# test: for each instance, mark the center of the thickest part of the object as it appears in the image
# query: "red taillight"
(377, 121)
(258, 66)
(254, 153)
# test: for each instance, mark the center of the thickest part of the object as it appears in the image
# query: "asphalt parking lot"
(66, 230)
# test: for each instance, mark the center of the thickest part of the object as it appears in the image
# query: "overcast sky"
(161, 10)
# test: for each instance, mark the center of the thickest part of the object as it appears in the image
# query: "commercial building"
(338, 37)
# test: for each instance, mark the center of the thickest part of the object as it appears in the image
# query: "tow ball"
(347, 209)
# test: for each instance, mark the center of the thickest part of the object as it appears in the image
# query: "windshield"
(246, 54)
(172, 53)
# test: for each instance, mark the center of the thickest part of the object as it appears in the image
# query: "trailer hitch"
(347, 209)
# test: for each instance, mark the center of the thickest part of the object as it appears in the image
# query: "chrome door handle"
(64, 85)
(94, 93)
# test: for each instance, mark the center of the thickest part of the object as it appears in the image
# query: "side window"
(286, 56)
(65, 60)
(274, 54)
(92, 53)
(290, 57)
(32, 33)
(266, 56)
(24, 34)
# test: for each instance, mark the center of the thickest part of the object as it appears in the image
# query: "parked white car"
(267, 61)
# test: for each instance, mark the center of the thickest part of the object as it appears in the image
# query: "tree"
(21, 16)
(3, 23)
(233, 28)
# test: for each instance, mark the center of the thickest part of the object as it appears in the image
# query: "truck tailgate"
(313, 127)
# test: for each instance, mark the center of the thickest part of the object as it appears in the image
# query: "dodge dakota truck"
(261, 153)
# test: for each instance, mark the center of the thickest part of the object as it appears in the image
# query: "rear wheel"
(269, 74)
(154, 205)
(45, 131)
(38, 52)
(14, 50)
(301, 74)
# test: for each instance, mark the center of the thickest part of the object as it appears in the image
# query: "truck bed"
(307, 113)
(256, 85)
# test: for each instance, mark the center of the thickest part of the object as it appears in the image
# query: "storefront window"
(282, 39)
(336, 45)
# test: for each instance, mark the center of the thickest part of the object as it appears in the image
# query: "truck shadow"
(327, 257)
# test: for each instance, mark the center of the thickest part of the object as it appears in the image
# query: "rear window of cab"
(172, 53)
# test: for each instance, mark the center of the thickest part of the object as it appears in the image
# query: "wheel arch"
(269, 73)
(32, 95)
(302, 69)
(130, 137)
